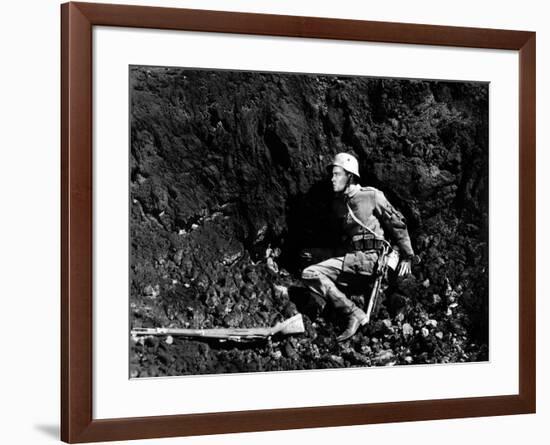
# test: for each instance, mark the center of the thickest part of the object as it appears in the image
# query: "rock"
(289, 310)
(365, 349)
(280, 291)
(407, 330)
(178, 257)
(426, 283)
(260, 233)
(231, 258)
(424, 332)
(439, 335)
(436, 299)
(432, 323)
(315, 352)
(233, 319)
(164, 357)
(290, 352)
(272, 265)
(169, 340)
(151, 292)
(384, 357)
(151, 341)
(356, 359)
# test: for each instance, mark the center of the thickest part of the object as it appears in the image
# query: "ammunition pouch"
(365, 243)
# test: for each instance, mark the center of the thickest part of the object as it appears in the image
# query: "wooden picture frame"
(77, 21)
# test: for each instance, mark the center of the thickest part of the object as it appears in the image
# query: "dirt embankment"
(228, 184)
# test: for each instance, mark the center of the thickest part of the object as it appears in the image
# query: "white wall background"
(29, 219)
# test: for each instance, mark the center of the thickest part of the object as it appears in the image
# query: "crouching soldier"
(368, 216)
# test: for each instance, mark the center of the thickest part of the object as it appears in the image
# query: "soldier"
(368, 216)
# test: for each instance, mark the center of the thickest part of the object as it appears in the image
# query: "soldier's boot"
(356, 317)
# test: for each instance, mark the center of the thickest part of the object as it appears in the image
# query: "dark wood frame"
(77, 20)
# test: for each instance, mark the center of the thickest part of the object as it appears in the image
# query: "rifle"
(385, 260)
(293, 325)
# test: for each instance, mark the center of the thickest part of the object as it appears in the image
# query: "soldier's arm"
(394, 223)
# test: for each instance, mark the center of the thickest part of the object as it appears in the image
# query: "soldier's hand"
(404, 268)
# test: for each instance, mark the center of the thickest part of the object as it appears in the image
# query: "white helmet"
(347, 162)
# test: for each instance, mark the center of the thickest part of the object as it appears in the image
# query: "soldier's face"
(339, 179)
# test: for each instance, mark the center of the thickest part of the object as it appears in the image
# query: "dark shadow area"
(313, 222)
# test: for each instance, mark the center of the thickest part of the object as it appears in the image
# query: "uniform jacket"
(372, 208)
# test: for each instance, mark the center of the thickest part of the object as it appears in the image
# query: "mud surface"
(228, 185)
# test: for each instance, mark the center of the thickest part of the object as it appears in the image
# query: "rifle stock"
(373, 297)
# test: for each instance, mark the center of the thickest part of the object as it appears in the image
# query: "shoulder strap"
(367, 188)
(358, 221)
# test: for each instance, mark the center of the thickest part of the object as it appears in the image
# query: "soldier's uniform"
(368, 218)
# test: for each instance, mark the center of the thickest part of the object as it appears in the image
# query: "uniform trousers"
(322, 278)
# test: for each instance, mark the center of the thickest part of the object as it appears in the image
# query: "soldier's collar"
(352, 190)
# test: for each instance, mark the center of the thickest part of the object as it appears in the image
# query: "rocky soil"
(228, 185)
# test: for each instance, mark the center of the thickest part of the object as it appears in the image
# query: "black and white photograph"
(300, 221)
(275, 222)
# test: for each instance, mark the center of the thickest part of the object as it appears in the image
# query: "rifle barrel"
(293, 325)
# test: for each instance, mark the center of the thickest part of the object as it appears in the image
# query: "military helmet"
(347, 162)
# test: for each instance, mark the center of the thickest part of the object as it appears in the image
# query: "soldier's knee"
(310, 273)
